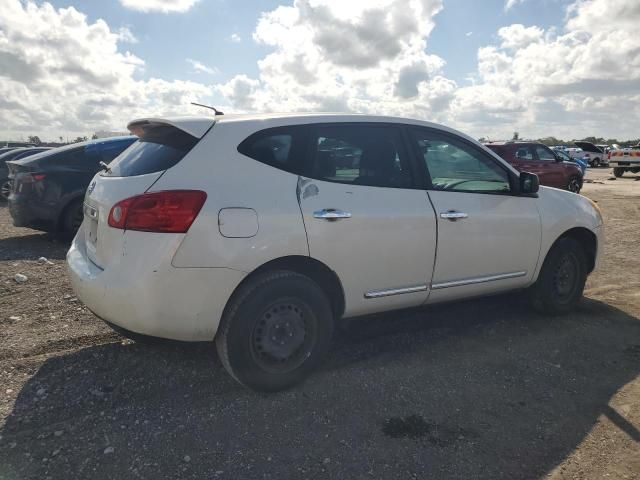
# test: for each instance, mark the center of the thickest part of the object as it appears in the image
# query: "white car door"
(488, 237)
(366, 217)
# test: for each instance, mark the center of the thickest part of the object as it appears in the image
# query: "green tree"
(516, 136)
(34, 139)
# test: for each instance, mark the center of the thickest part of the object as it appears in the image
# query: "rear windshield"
(158, 148)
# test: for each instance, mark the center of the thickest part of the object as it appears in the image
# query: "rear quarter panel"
(234, 181)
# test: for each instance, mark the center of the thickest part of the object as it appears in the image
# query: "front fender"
(561, 211)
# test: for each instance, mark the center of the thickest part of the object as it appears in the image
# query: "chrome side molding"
(395, 291)
(471, 281)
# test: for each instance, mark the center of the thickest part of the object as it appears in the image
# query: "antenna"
(218, 112)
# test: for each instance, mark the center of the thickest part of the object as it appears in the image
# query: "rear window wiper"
(104, 166)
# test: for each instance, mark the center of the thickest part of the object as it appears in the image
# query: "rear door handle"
(453, 215)
(331, 214)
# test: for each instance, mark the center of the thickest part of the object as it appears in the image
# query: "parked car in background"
(264, 231)
(562, 155)
(575, 152)
(47, 188)
(13, 154)
(593, 154)
(625, 160)
(537, 158)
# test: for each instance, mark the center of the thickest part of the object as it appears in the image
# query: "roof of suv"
(197, 126)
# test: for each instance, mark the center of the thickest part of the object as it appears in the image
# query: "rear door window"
(524, 153)
(369, 155)
(544, 154)
(158, 148)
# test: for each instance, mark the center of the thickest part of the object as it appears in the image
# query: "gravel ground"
(481, 389)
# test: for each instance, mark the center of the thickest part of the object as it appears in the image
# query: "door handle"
(331, 214)
(453, 215)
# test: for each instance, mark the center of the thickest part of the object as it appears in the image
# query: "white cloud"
(235, 38)
(200, 67)
(509, 4)
(164, 6)
(518, 36)
(579, 82)
(331, 55)
(60, 74)
(468, 34)
(125, 35)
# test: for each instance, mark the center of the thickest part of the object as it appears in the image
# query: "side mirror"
(529, 183)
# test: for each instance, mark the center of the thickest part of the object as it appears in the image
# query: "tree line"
(551, 141)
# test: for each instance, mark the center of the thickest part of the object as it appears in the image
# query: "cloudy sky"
(568, 68)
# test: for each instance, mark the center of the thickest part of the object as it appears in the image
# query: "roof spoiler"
(194, 126)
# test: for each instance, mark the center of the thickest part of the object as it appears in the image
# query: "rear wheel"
(72, 217)
(275, 331)
(618, 172)
(574, 184)
(561, 280)
(5, 189)
(595, 163)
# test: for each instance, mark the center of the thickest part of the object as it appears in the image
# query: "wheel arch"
(70, 200)
(586, 238)
(317, 271)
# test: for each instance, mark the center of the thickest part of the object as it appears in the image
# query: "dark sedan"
(13, 154)
(47, 189)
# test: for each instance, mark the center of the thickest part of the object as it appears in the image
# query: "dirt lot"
(484, 389)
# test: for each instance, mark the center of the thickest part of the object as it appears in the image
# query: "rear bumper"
(140, 291)
(625, 163)
(27, 213)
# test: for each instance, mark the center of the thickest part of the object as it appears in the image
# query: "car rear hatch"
(589, 147)
(162, 144)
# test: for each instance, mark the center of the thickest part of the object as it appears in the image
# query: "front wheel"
(596, 163)
(275, 331)
(618, 172)
(574, 184)
(561, 280)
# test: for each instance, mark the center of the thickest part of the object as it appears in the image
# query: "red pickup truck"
(537, 158)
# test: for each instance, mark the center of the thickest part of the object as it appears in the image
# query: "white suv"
(263, 232)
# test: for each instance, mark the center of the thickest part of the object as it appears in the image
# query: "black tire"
(574, 184)
(71, 218)
(596, 163)
(561, 280)
(5, 189)
(618, 172)
(275, 330)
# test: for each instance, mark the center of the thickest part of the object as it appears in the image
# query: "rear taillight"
(171, 211)
(30, 177)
